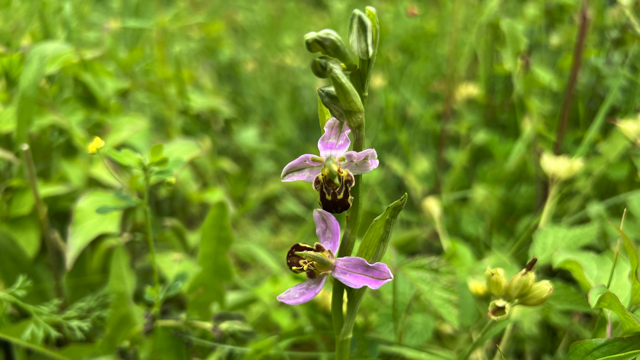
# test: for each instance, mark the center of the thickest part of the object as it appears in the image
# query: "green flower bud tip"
(320, 66)
(496, 281)
(521, 283)
(330, 100)
(327, 42)
(538, 294)
(361, 35)
(499, 309)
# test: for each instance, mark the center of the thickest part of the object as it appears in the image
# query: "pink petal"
(335, 141)
(360, 162)
(302, 168)
(303, 292)
(327, 229)
(356, 272)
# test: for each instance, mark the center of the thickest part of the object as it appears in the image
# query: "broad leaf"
(87, 223)
(548, 240)
(215, 241)
(125, 318)
(609, 300)
(611, 348)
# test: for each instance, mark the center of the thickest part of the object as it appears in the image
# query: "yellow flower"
(630, 128)
(95, 145)
(465, 91)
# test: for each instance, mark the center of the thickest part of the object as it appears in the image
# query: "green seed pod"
(327, 42)
(330, 100)
(496, 281)
(519, 285)
(361, 35)
(538, 294)
(499, 309)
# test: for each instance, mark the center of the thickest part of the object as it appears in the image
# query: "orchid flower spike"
(332, 172)
(319, 261)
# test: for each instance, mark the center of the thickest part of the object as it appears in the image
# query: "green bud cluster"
(520, 290)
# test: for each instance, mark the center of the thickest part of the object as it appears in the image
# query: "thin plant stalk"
(43, 218)
(549, 205)
(504, 342)
(152, 251)
(343, 343)
(476, 342)
(578, 50)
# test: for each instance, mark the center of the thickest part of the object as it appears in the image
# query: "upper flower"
(320, 260)
(332, 172)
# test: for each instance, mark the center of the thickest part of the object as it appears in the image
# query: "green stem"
(343, 343)
(504, 342)
(549, 205)
(476, 342)
(152, 251)
(43, 217)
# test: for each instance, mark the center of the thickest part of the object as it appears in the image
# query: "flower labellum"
(332, 172)
(318, 261)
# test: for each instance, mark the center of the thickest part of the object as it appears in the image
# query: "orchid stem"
(343, 343)
(152, 251)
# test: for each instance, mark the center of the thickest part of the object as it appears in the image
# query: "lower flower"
(320, 261)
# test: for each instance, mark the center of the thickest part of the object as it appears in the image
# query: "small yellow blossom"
(630, 128)
(465, 91)
(477, 287)
(560, 167)
(95, 145)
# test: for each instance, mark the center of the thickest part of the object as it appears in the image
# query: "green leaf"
(124, 157)
(609, 300)
(553, 237)
(633, 274)
(35, 67)
(26, 232)
(215, 241)
(376, 240)
(611, 348)
(161, 162)
(87, 224)
(125, 318)
(22, 203)
(156, 152)
(435, 279)
(323, 114)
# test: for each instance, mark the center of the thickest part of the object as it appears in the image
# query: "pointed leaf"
(610, 301)
(87, 224)
(604, 348)
(633, 274)
(376, 240)
(215, 241)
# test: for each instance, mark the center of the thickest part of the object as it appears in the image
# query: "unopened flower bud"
(347, 94)
(477, 287)
(538, 294)
(361, 35)
(521, 283)
(499, 309)
(327, 42)
(330, 100)
(560, 167)
(319, 66)
(496, 281)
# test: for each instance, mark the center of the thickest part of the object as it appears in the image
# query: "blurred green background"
(226, 88)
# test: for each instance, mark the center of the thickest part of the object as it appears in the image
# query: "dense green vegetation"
(466, 98)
